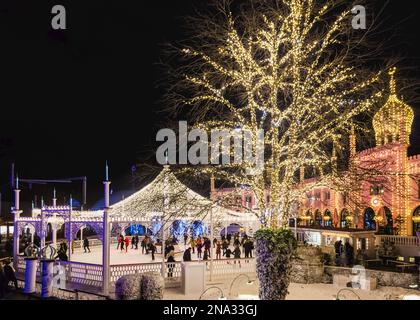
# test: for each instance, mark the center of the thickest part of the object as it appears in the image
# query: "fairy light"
(280, 56)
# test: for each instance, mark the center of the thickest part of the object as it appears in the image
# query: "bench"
(367, 262)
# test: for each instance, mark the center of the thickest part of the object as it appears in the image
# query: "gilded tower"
(392, 125)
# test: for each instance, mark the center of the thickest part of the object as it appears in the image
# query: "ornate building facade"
(388, 202)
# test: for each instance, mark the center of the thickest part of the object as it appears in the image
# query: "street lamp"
(345, 289)
(221, 296)
(249, 282)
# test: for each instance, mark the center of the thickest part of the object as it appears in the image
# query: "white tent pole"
(165, 205)
(211, 245)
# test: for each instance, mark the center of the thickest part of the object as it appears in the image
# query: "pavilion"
(156, 206)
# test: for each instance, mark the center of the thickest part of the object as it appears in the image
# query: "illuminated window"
(376, 190)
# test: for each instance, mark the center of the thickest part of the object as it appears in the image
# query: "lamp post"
(237, 277)
(105, 236)
(221, 296)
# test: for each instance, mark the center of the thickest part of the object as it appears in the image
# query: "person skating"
(152, 249)
(185, 239)
(119, 241)
(127, 243)
(237, 253)
(207, 246)
(143, 245)
(225, 245)
(218, 250)
(122, 243)
(215, 242)
(229, 238)
(86, 244)
(227, 253)
(193, 244)
(199, 249)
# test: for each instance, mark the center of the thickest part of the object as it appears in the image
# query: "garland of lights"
(290, 86)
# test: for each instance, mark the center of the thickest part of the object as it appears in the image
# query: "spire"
(392, 84)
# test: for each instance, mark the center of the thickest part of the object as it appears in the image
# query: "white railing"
(82, 273)
(172, 270)
(398, 240)
(228, 268)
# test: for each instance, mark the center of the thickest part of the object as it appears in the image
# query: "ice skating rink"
(132, 256)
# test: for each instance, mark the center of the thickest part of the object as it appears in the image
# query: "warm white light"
(411, 297)
(248, 297)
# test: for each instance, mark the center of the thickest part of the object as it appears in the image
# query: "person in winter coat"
(86, 244)
(237, 253)
(193, 244)
(199, 249)
(218, 250)
(127, 243)
(152, 250)
(187, 255)
(119, 241)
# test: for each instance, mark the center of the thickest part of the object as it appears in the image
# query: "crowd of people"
(344, 254)
(147, 244)
(222, 247)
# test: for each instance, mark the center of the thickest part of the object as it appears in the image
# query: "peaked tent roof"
(168, 197)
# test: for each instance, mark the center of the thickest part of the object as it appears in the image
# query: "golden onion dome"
(394, 120)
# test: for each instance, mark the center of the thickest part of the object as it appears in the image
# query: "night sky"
(72, 99)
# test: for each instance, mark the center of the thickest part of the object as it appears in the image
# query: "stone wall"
(384, 278)
(307, 265)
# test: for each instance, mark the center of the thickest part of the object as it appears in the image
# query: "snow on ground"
(243, 291)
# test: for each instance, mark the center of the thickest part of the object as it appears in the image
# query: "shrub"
(152, 286)
(274, 251)
(128, 287)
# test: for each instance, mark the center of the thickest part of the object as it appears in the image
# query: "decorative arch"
(327, 221)
(197, 228)
(416, 225)
(388, 221)
(343, 218)
(178, 228)
(231, 229)
(369, 222)
(91, 228)
(318, 218)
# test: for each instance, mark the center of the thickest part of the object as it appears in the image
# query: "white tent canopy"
(169, 198)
